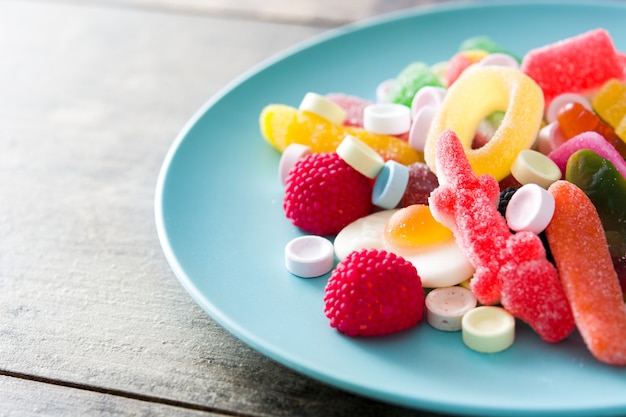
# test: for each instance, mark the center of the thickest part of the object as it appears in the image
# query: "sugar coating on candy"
(587, 140)
(460, 62)
(373, 292)
(409, 81)
(610, 104)
(478, 93)
(323, 194)
(422, 181)
(579, 64)
(282, 125)
(589, 281)
(353, 107)
(510, 268)
(485, 43)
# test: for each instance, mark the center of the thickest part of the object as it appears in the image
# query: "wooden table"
(92, 320)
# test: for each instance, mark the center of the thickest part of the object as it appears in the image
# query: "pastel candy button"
(320, 105)
(387, 118)
(499, 59)
(419, 127)
(382, 91)
(488, 329)
(560, 101)
(360, 156)
(428, 95)
(390, 185)
(289, 157)
(550, 137)
(532, 167)
(531, 208)
(445, 307)
(309, 256)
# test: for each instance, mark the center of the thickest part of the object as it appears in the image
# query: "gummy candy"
(579, 64)
(587, 140)
(486, 44)
(511, 268)
(589, 281)
(610, 104)
(460, 62)
(415, 227)
(282, 125)
(575, 118)
(479, 92)
(606, 188)
(422, 181)
(353, 106)
(409, 81)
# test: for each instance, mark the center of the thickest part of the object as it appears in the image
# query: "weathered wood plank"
(27, 398)
(90, 100)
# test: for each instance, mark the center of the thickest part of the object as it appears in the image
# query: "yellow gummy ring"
(477, 93)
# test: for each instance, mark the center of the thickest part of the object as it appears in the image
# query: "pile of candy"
(491, 183)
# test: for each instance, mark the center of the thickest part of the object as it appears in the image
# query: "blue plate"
(220, 221)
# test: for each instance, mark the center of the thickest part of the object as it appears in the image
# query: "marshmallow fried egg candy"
(412, 233)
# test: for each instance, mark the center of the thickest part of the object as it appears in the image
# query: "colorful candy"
(589, 281)
(579, 64)
(479, 92)
(282, 125)
(409, 81)
(511, 269)
(610, 104)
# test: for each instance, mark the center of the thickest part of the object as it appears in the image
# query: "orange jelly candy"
(414, 227)
(283, 125)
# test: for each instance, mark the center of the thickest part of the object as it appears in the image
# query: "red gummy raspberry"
(373, 292)
(323, 194)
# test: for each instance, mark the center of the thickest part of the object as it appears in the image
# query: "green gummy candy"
(606, 188)
(486, 44)
(410, 80)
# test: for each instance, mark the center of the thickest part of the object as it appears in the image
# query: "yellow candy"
(478, 92)
(610, 104)
(283, 125)
(413, 227)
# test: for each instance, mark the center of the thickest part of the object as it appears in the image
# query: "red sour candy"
(323, 194)
(579, 64)
(510, 268)
(422, 181)
(373, 292)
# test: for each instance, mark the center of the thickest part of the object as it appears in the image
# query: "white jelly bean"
(360, 156)
(560, 101)
(289, 157)
(390, 185)
(387, 118)
(445, 307)
(309, 256)
(488, 329)
(320, 105)
(530, 208)
(532, 167)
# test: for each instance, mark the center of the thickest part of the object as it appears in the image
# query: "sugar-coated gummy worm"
(590, 281)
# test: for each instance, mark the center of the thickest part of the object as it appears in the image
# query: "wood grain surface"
(92, 320)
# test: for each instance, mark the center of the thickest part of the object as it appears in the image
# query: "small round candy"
(445, 307)
(532, 167)
(309, 256)
(320, 105)
(387, 118)
(419, 128)
(499, 59)
(560, 101)
(382, 91)
(360, 156)
(427, 96)
(531, 208)
(390, 185)
(289, 157)
(550, 137)
(488, 329)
